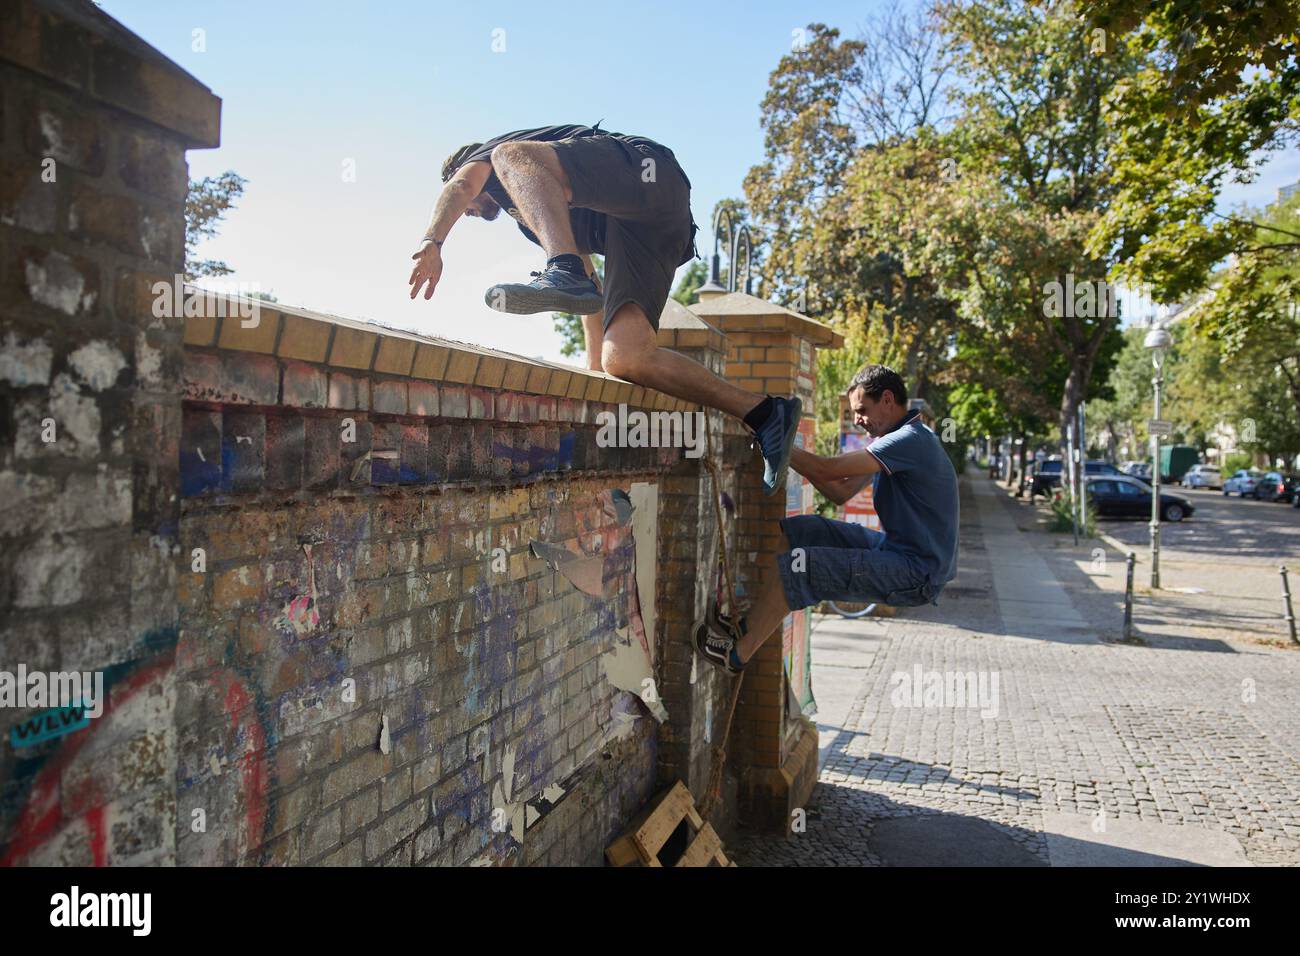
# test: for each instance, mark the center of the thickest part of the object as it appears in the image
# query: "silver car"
(1242, 482)
(1202, 476)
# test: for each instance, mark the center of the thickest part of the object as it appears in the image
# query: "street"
(1223, 529)
(1071, 747)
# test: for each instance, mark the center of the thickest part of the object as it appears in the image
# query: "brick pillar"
(93, 180)
(695, 694)
(771, 350)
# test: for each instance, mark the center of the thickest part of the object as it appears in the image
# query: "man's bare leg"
(765, 617)
(535, 180)
(631, 352)
(532, 174)
(594, 332)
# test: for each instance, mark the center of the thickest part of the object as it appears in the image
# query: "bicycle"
(851, 615)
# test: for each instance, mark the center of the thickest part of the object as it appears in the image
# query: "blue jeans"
(838, 561)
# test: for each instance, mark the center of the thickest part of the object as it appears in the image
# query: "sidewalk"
(1082, 751)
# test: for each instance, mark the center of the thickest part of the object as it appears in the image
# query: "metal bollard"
(1128, 598)
(1289, 614)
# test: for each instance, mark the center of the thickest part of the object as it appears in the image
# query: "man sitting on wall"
(915, 494)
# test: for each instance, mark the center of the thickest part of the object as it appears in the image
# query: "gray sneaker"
(553, 290)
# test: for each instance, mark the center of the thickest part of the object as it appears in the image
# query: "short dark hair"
(454, 161)
(878, 379)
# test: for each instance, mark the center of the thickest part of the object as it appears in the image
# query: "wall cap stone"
(737, 311)
(291, 333)
(78, 44)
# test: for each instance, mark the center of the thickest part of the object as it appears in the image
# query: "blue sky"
(394, 87)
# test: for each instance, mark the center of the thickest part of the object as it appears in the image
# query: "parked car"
(1202, 476)
(1047, 475)
(1275, 486)
(1122, 496)
(1242, 482)
(1138, 469)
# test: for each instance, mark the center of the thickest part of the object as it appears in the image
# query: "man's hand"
(428, 268)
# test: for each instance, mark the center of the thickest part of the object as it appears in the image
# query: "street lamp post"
(737, 235)
(1158, 341)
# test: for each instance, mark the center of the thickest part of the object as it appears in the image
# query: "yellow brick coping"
(737, 311)
(290, 332)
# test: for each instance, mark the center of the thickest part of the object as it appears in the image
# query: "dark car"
(1121, 496)
(1275, 486)
(1048, 474)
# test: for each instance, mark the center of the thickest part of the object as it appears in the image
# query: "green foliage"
(1122, 415)
(687, 291)
(206, 204)
(1063, 515)
(1219, 84)
(1249, 324)
(933, 241)
(1235, 461)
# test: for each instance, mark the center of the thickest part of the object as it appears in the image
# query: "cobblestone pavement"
(1164, 752)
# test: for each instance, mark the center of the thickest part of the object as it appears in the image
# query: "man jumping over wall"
(915, 494)
(579, 190)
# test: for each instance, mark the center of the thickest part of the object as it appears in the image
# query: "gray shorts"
(838, 561)
(649, 229)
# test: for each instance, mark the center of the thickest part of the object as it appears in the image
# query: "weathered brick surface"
(394, 587)
(92, 189)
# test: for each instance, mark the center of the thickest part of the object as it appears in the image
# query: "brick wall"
(363, 524)
(93, 132)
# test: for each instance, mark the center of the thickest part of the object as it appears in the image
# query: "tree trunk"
(1076, 384)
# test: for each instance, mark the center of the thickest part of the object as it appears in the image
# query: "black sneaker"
(553, 290)
(714, 641)
(775, 438)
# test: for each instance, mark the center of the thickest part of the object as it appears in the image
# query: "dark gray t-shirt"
(916, 497)
(588, 225)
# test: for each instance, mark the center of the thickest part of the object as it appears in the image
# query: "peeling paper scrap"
(622, 505)
(508, 771)
(626, 668)
(584, 572)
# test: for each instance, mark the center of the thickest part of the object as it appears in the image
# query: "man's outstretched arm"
(838, 478)
(452, 203)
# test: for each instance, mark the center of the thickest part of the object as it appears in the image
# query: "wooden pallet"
(641, 844)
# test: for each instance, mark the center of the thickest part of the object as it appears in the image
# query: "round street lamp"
(1157, 342)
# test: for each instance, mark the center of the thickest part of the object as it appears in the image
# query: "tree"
(832, 109)
(1032, 122)
(206, 204)
(1252, 314)
(687, 291)
(1219, 84)
(1125, 403)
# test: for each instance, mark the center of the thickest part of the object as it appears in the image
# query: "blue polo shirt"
(916, 497)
